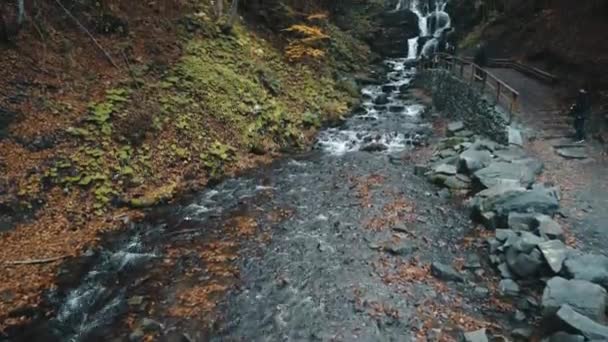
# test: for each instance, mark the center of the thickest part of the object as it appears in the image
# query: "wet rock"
(496, 172)
(445, 272)
(476, 336)
(584, 297)
(554, 252)
(564, 337)
(472, 160)
(508, 287)
(382, 99)
(374, 147)
(389, 88)
(488, 219)
(590, 267)
(396, 109)
(568, 319)
(454, 127)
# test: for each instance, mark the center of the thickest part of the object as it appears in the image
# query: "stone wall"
(460, 101)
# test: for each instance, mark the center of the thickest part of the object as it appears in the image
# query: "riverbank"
(90, 145)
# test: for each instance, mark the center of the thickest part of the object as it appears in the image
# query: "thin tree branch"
(89, 34)
(36, 261)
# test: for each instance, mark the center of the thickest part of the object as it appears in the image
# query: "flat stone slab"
(555, 252)
(572, 152)
(515, 137)
(590, 267)
(569, 319)
(455, 126)
(584, 297)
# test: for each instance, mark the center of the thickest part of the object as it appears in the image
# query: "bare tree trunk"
(232, 16)
(21, 13)
(219, 9)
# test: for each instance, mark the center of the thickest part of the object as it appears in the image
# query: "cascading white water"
(441, 22)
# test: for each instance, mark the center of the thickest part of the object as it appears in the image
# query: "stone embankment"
(527, 247)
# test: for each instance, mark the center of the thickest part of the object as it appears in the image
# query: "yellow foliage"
(317, 16)
(307, 45)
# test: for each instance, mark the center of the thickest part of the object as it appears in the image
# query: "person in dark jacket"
(581, 111)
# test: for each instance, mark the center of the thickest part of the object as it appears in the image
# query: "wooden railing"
(523, 68)
(478, 77)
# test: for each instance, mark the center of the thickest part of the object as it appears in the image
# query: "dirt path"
(583, 182)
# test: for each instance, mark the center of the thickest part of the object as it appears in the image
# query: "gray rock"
(526, 242)
(420, 170)
(382, 99)
(136, 336)
(150, 325)
(584, 297)
(504, 234)
(374, 147)
(568, 319)
(476, 336)
(564, 337)
(402, 247)
(505, 273)
(493, 245)
(488, 220)
(454, 127)
(514, 136)
(510, 154)
(447, 153)
(445, 272)
(472, 160)
(481, 292)
(590, 267)
(496, 172)
(539, 200)
(472, 261)
(508, 287)
(522, 221)
(445, 169)
(524, 265)
(548, 228)
(555, 252)
(464, 133)
(519, 316)
(456, 183)
(572, 152)
(522, 334)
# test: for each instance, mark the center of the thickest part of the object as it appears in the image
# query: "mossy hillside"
(226, 96)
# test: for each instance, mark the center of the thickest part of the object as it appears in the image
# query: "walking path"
(584, 182)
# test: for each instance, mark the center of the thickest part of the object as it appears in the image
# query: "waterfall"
(433, 23)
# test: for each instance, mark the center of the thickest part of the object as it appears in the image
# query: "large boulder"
(568, 319)
(472, 160)
(584, 297)
(539, 200)
(496, 172)
(555, 252)
(590, 267)
(396, 27)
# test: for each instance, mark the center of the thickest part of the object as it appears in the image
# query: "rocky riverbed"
(346, 242)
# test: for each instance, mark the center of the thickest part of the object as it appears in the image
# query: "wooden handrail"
(523, 68)
(441, 60)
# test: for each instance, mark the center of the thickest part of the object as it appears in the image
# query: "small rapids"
(314, 278)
